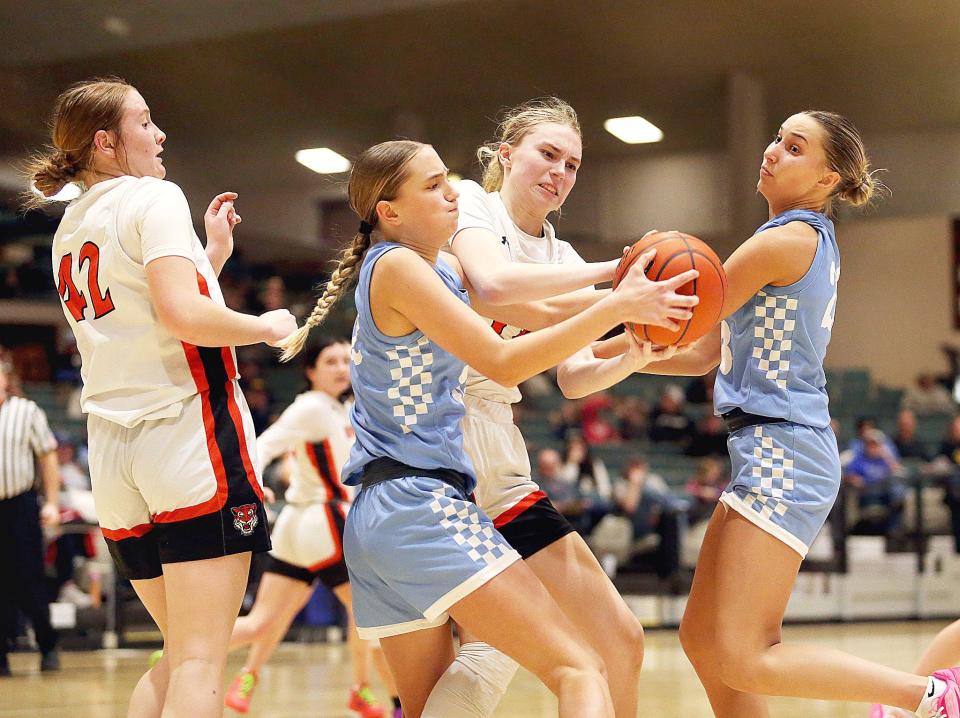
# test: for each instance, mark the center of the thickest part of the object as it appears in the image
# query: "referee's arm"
(50, 476)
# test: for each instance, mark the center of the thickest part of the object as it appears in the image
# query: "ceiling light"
(453, 177)
(323, 160)
(116, 26)
(70, 191)
(633, 130)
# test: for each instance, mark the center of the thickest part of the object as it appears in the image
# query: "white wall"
(895, 306)
(619, 200)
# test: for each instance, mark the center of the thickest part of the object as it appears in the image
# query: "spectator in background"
(873, 474)
(947, 465)
(592, 480)
(700, 388)
(76, 508)
(704, 489)
(565, 420)
(631, 415)
(597, 420)
(645, 499)
(25, 437)
(668, 423)
(950, 446)
(72, 475)
(709, 438)
(928, 397)
(260, 403)
(273, 294)
(906, 441)
(865, 425)
(556, 483)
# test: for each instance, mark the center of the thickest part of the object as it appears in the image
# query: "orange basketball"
(676, 253)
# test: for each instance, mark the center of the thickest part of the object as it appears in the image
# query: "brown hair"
(514, 125)
(376, 176)
(79, 113)
(847, 156)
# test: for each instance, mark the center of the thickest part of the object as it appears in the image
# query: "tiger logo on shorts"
(245, 518)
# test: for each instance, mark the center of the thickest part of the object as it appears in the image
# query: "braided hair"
(376, 177)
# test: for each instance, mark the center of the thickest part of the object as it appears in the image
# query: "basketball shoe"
(363, 701)
(947, 704)
(241, 690)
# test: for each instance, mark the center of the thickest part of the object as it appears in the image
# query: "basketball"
(676, 253)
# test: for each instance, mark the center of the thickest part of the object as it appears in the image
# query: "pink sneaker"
(362, 701)
(240, 692)
(948, 705)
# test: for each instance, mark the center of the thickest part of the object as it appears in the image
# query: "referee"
(25, 436)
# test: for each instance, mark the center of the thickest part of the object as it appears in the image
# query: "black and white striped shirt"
(24, 434)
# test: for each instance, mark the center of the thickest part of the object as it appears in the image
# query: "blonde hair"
(79, 113)
(515, 125)
(847, 157)
(376, 176)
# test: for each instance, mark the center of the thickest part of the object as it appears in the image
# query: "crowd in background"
(634, 518)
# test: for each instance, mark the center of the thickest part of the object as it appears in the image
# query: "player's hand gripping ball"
(676, 253)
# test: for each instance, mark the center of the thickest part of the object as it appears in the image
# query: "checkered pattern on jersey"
(772, 475)
(773, 335)
(461, 518)
(410, 369)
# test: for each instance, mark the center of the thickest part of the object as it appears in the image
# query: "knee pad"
(473, 684)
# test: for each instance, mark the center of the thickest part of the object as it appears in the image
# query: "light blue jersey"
(786, 474)
(773, 346)
(414, 544)
(409, 391)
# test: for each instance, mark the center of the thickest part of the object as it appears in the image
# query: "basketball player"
(308, 535)
(507, 248)
(418, 551)
(171, 439)
(777, 320)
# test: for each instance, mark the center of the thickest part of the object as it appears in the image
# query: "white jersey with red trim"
(316, 429)
(132, 368)
(485, 210)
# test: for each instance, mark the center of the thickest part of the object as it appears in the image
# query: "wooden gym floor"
(312, 680)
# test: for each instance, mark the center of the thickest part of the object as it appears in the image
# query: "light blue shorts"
(415, 546)
(786, 478)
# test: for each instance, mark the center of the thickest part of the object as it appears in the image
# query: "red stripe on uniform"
(215, 502)
(120, 534)
(518, 508)
(334, 490)
(335, 533)
(226, 353)
(334, 474)
(234, 410)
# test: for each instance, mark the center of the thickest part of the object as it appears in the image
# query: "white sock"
(473, 684)
(935, 689)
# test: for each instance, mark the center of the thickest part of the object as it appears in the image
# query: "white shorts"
(499, 455)
(310, 535)
(505, 492)
(179, 489)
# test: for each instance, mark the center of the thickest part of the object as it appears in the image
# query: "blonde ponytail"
(80, 112)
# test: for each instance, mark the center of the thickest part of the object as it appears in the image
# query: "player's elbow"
(498, 367)
(180, 319)
(492, 289)
(505, 376)
(568, 385)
